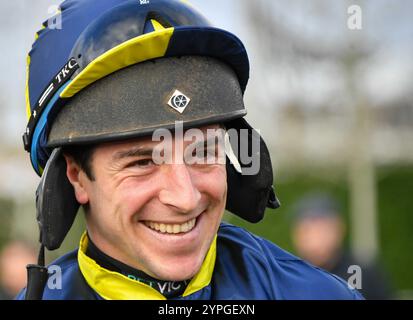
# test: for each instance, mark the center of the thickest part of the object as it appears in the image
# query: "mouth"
(171, 228)
(176, 235)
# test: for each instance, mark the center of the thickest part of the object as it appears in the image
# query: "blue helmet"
(97, 38)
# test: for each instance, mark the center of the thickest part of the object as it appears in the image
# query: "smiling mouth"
(171, 228)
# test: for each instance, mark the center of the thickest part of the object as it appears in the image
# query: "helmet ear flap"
(56, 203)
(250, 194)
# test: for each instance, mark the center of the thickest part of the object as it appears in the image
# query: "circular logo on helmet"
(179, 101)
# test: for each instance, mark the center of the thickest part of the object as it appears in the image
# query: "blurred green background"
(395, 202)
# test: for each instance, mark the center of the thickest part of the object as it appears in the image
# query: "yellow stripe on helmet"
(36, 35)
(145, 47)
(28, 108)
(156, 25)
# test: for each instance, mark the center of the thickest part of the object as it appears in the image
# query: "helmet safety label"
(178, 101)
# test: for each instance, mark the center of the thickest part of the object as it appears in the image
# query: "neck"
(169, 289)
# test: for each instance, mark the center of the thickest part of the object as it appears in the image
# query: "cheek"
(213, 183)
(133, 194)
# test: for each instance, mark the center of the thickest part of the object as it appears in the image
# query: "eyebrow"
(141, 151)
(134, 152)
(211, 141)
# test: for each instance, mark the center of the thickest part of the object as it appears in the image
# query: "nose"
(179, 190)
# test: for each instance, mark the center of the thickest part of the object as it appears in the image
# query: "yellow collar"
(115, 286)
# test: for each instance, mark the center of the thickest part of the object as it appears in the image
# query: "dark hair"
(317, 204)
(82, 155)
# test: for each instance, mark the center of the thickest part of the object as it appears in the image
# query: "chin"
(179, 269)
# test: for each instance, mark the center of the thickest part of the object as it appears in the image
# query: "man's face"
(317, 239)
(159, 218)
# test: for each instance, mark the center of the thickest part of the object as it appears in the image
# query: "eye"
(142, 163)
(206, 156)
(201, 153)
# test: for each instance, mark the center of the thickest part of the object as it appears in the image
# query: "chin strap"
(36, 278)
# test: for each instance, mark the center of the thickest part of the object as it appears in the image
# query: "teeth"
(171, 228)
(176, 228)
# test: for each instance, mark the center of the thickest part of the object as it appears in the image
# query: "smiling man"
(136, 113)
(158, 218)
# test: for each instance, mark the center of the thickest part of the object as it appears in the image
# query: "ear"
(78, 179)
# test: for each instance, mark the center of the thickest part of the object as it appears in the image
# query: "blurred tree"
(6, 219)
(313, 61)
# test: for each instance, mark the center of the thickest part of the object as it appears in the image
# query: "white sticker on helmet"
(179, 101)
